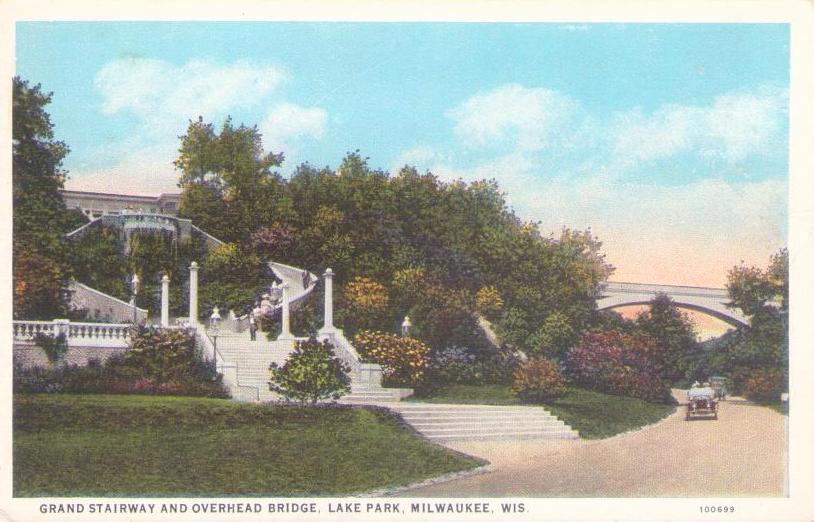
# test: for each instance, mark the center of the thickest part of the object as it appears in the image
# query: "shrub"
(619, 363)
(404, 360)
(538, 380)
(312, 372)
(55, 347)
(456, 365)
(553, 339)
(764, 385)
(116, 376)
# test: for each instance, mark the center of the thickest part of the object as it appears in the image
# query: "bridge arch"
(710, 301)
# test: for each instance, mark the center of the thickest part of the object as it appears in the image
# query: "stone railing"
(209, 352)
(300, 283)
(77, 334)
(103, 307)
(364, 375)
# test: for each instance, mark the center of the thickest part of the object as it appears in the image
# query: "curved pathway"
(741, 454)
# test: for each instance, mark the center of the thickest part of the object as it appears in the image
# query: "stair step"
(505, 435)
(479, 420)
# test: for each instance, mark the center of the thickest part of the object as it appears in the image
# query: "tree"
(674, 334)
(310, 373)
(750, 354)
(40, 253)
(749, 288)
(227, 179)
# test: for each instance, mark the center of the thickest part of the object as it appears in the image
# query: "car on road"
(701, 402)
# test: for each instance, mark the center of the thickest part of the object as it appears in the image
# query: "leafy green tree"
(312, 372)
(750, 354)
(778, 276)
(674, 334)
(227, 179)
(231, 278)
(749, 288)
(40, 255)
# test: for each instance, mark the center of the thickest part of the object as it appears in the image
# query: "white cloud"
(521, 115)
(286, 122)
(157, 91)
(162, 97)
(733, 127)
(637, 136)
(748, 122)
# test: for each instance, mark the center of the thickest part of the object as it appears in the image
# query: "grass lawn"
(779, 407)
(108, 445)
(595, 415)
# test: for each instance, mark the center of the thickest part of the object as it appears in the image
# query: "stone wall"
(28, 355)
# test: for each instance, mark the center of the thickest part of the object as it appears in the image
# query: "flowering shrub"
(538, 380)
(456, 365)
(488, 302)
(276, 239)
(404, 360)
(764, 384)
(619, 363)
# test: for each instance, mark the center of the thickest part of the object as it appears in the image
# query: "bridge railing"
(643, 288)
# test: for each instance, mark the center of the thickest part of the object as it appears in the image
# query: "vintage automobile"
(701, 402)
(718, 384)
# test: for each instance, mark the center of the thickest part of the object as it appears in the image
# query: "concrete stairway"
(455, 422)
(253, 358)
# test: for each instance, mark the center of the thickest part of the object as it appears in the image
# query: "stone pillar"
(193, 294)
(328, 322)
(165, 300)
(285, 327)
(62, 326)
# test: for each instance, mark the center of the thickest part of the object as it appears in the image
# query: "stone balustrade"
(77, 334)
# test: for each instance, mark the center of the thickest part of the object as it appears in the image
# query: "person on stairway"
(253, 316)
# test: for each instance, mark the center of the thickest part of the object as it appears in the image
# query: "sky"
(668, 141)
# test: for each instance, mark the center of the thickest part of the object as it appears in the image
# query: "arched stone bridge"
(711, 301)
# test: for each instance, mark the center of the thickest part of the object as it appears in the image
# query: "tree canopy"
(430, 245)
(40, 267)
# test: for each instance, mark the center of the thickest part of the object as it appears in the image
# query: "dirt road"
(743, 453)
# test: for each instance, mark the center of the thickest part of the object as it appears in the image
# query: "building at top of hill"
(98, 204)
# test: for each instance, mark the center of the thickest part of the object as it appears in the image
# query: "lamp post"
(134, 287)
(405, 327)
(214, 327)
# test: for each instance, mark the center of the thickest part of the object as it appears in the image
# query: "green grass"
(595, 415)
(779, 407)
(106, 445)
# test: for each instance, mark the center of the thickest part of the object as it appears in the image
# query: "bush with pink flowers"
(619, 363)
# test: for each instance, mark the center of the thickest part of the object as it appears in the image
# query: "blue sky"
(668, 140)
